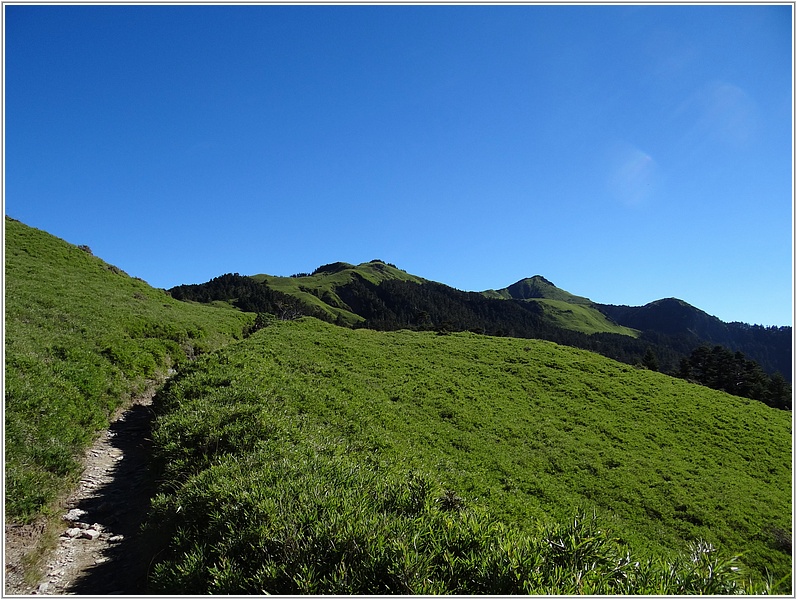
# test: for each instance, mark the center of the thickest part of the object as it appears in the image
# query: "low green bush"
(306, 522)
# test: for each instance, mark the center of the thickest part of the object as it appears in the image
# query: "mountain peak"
(542, 279)
(540, 287)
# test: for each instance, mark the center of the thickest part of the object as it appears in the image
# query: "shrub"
(304, 523)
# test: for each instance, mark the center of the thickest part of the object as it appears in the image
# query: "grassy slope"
(323, 286)
(527, 429)
(562, 308)
(80, 336)
(578, 317)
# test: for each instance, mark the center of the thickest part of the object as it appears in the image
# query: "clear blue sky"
(626, 153)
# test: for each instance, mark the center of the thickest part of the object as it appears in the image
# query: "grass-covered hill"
(380, 296)
(561, 308)
(316, 458)
(661, 335)
(534, 288)
(80, 336)
(328, 285)
(319, 289)
(378, 293)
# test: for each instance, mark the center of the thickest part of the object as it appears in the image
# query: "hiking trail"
(101, 549)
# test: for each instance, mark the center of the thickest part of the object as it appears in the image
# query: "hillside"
(524, 431)
(81, 336)
(561, 308)
(377, 295)
(320, 288)
(297, 456)
(769, 346)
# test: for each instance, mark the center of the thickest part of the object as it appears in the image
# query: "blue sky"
(626, 153)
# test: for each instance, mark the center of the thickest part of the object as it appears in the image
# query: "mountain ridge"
(536, 287)
(379, 295)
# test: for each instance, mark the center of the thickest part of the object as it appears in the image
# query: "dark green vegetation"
(80, 336)
(377, 295)
(768, 346)
(721, 369)
(315, 458)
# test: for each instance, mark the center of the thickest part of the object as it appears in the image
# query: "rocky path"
(101, 550)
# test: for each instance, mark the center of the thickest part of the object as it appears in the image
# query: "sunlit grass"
(526, 431)
(578, 317)
(319, 290)
(81, 336)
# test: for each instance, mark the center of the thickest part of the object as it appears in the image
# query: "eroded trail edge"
(101, 549)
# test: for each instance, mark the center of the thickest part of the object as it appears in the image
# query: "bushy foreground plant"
(258, 495)
(531, 429)
(310, 521)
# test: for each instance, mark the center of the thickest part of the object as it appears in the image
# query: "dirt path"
(101, 550)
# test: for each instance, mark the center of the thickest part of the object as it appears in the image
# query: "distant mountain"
(536, 287)
(321, 289)
(379, 295)
(561, 308)
(769, 346)
(670, 316)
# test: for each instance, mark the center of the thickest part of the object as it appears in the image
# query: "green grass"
(80, 337)
(523, 433)
(580, 317)
(319, 290)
